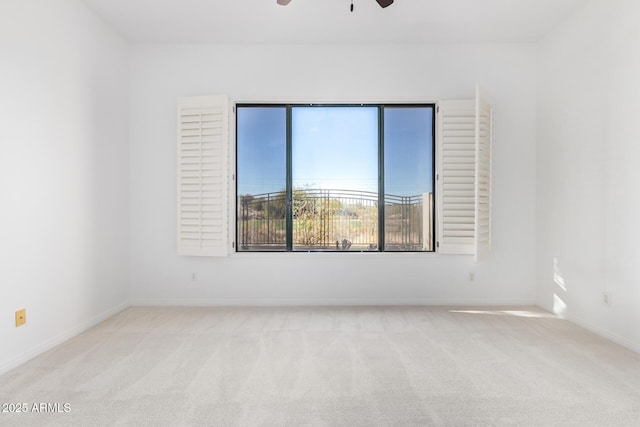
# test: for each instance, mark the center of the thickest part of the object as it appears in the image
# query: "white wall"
(63, 173)
(588, 170)
(161, 74)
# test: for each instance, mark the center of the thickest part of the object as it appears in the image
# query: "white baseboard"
(322, 302)
(59, 339)
(624, 342)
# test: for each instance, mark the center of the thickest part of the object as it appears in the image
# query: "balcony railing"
(335, 220)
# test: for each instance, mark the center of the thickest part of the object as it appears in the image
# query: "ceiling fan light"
(285, 2)
(382, 3)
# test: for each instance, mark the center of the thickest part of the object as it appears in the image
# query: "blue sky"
(408, 153)
(261, 149)
(334, 148)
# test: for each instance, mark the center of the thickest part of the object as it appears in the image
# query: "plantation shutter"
(484, 139)
(464, 176)
(203, 176)
(456, 177)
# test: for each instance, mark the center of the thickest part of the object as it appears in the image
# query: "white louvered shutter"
(456, 177)
(203, 176)
(464, 176)
(484, 140)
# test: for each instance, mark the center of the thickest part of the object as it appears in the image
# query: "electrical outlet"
(194, 277)
(21, 317)
(606, 298)
(472, 277)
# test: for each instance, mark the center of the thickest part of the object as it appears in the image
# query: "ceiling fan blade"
(285, 2)
(382, 3)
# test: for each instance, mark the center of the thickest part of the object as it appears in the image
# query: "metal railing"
(334, 220)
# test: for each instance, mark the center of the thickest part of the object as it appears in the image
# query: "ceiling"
(329, 21)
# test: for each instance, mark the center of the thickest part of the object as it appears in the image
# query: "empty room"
(319, 212)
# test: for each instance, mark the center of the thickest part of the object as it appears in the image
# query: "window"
(335, 177)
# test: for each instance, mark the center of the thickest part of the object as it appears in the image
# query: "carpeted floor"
(328, 366)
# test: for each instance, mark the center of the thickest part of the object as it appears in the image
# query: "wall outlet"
(194, 277)
(21, 317)
(606, 298)
(472, 277)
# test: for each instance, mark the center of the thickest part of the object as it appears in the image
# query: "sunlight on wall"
(559, 304)
(557, 275)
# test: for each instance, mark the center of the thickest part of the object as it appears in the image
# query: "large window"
(335, 177)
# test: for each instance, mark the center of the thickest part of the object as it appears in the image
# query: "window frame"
(289, 246)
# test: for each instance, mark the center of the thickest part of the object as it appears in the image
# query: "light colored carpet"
(330, 366)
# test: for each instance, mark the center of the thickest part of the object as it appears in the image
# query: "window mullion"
(381, 178)
(289, 183)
